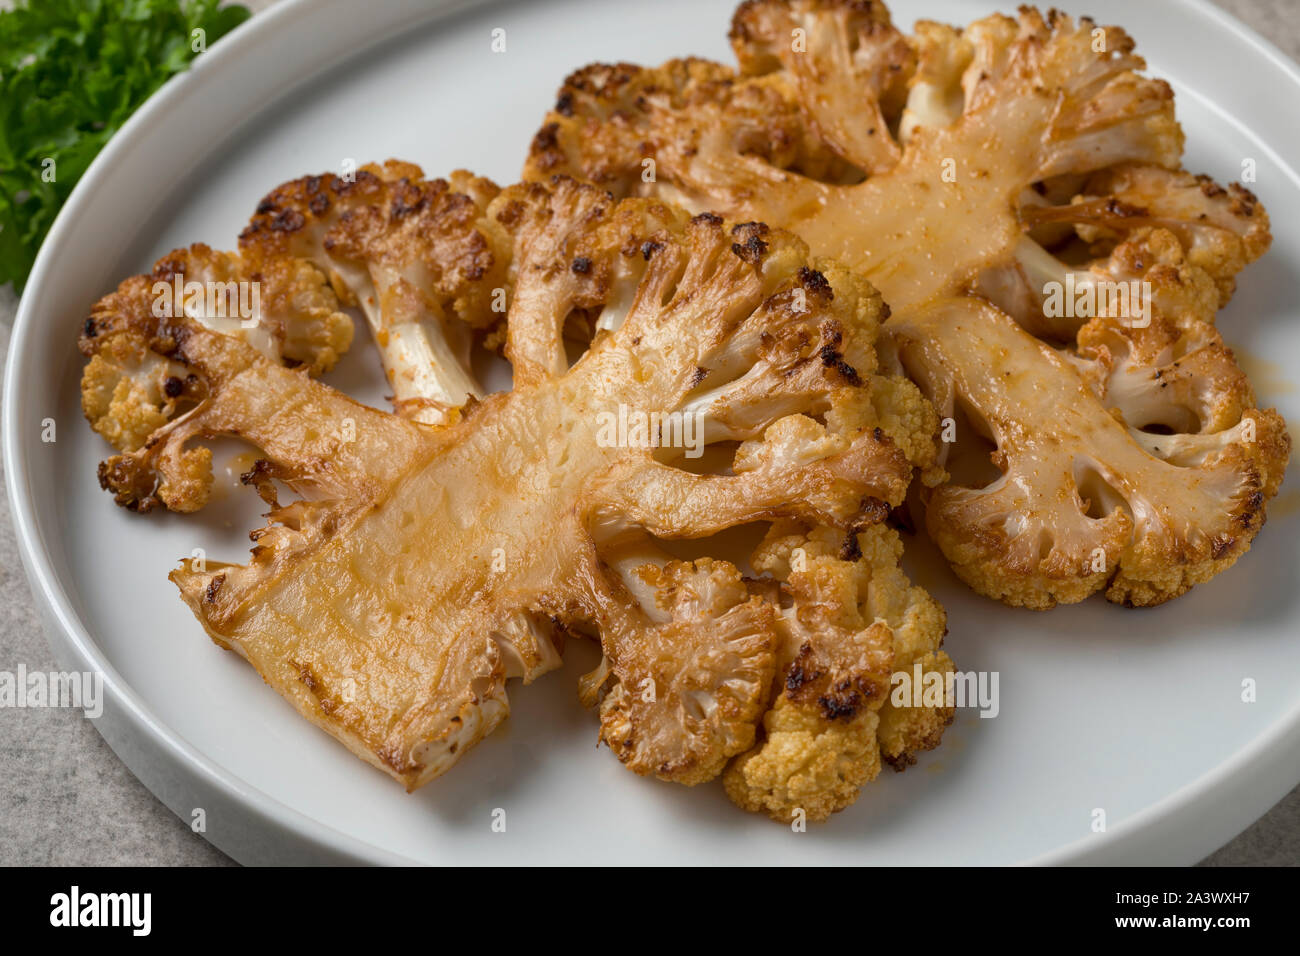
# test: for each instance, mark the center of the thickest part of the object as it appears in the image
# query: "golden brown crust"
(390, 216)
(418, 257)
(1087, 495)
(852, 623)
(131, 387)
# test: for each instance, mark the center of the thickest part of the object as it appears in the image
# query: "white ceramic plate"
(1138, 713)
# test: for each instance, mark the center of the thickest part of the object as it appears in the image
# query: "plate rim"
(139, 737)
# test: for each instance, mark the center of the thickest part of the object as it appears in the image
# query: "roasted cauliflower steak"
(1014, 157)
(422, 566)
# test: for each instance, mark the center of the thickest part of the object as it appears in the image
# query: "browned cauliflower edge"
(419, 258)
(680, 715)
(1140, 467)
(129, 391)
(853, 622)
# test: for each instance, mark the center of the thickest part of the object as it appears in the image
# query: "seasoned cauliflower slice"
(425, 566)
(681, 689)
(416, 256)
(1087, 496)
(853, 621)
(1120, 214)
(1010, 160)
(1036, 104)
(283, 309)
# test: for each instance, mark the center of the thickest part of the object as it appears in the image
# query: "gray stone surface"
(65, 798)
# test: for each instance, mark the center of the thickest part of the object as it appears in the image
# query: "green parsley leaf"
(71, 73)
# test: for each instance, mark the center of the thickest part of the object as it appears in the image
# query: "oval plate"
(1137, 713)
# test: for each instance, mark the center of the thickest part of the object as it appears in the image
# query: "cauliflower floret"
(1207, 233)
(935, 95)
(854, 621)
(123, 394)
(848, 66)
(420, 258)
(794, 440)
(686, 693)
(895, 406)
(806, 763)
(1220, 230)
(283, 309)
(417, 257)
